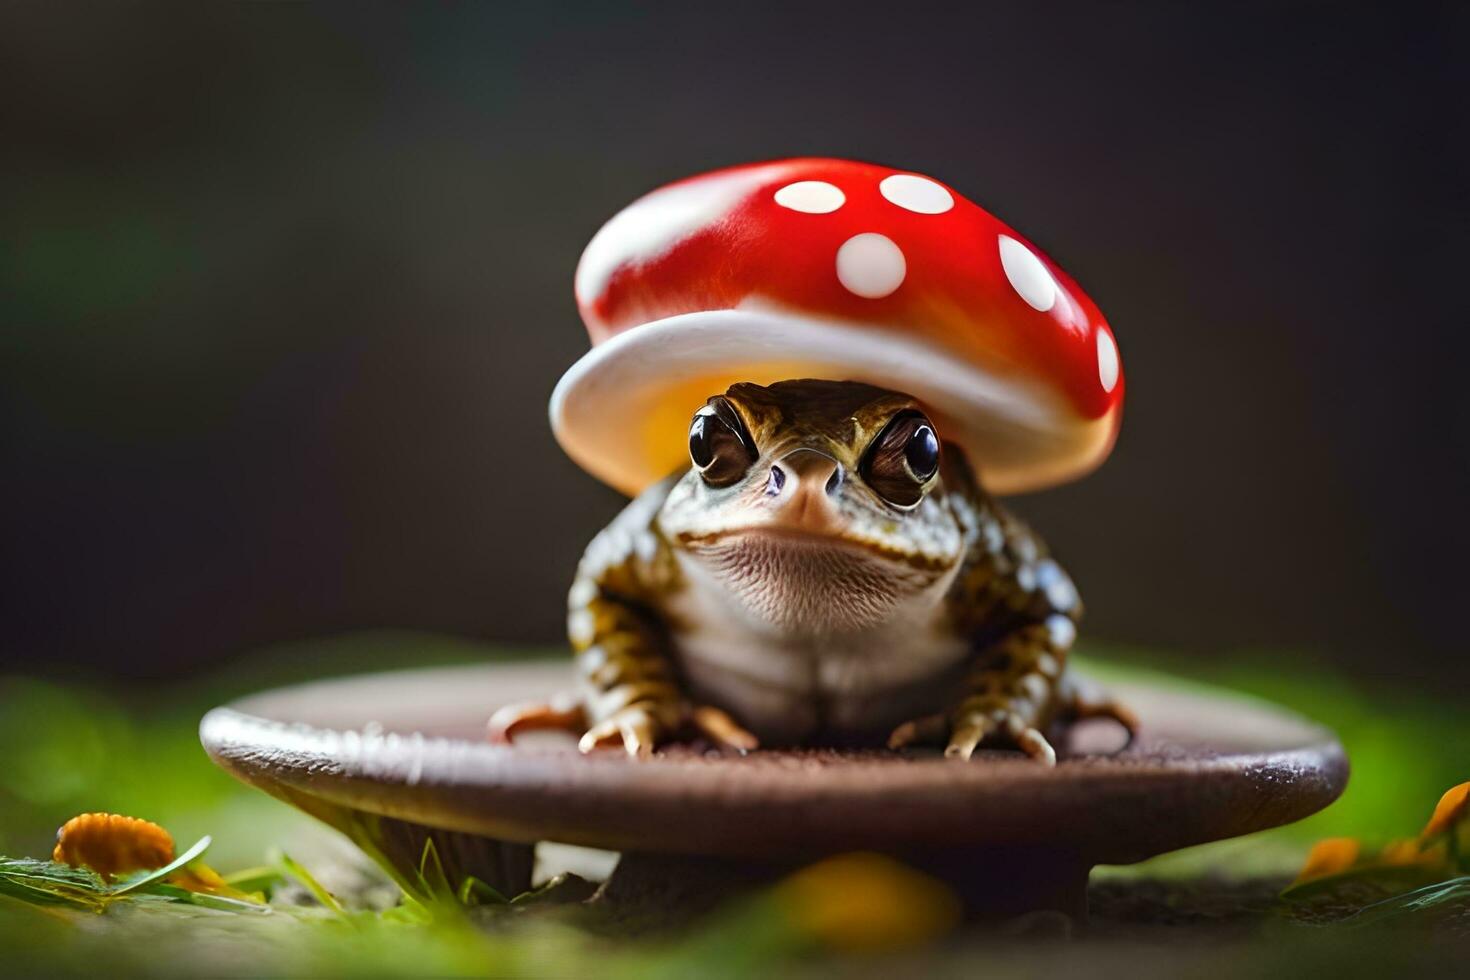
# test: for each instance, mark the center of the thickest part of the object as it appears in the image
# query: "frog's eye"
(719, 446)
(902, 460)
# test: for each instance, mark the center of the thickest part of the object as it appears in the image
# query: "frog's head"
(816, 504)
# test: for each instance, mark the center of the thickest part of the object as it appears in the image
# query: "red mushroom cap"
(816, 268)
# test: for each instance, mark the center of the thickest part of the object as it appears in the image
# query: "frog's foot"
(643, 726)
(921, 731)
(997, 726)
(720, 728)
(562, 713)
(638, 727)
(1080, 698)
(973, 729)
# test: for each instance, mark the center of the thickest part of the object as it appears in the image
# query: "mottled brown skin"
(809, 585)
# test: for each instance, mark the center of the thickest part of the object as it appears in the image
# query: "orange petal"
(1452, 808)
(111, 844)
(1400, 852)
(866, 902)
(197, 876)
(1329, 857)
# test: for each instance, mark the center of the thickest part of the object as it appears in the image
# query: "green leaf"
(295, 870)
(260, 879)
(564, 888)
(1418, 900)
(123, 887)
(408, 913)
(63, 874)
(431, 874)
(473, 891)
(50, 883)
(35, 895)
(208, 901)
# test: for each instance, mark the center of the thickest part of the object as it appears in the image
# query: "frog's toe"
(719, 727)
(972, 732)
(635, 727)
(1117, 712)
(1084, 699)
(965, 739)
(561, 713)
(635, 738)
(1034, 744)
(930, 728)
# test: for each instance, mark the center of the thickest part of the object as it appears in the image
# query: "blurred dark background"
(284, 290)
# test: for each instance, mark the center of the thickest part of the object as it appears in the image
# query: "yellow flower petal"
(196, 876)
(1452, 808)
(866, 902)
(1400, 852)
(1329, 857)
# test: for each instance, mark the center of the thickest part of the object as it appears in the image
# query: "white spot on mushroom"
(871, 265)
(1028, 274)
(915, 193)
(1107, 360)
(811, 197)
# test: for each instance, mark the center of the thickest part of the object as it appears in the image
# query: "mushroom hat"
(834, 269)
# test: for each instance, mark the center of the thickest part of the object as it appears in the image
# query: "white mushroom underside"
(621, 412)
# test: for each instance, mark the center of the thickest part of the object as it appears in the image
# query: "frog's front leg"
(1020, 608)
(630, 695)
(633, 697)
(1010, 696)
(1018, 687)
(1013, 691)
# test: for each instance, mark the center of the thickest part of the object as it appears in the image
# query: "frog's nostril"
(834, 482)
(811, 468)
(776, 482)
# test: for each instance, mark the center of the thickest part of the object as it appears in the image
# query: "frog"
(826, 570)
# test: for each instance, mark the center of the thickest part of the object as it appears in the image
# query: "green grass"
(83, 746)
(76, 747)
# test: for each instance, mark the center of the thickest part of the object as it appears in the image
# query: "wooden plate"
(393, 758)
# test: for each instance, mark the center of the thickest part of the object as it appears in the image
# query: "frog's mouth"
(803, 540)
(805, 582)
